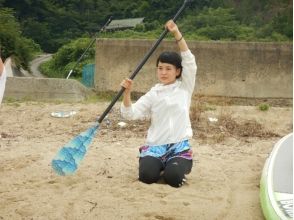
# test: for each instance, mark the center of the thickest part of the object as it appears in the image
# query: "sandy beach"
(224, 182)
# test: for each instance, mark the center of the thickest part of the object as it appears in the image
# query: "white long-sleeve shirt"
(2, 84)
(168, 107)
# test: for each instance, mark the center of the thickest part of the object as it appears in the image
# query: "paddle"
(70, 155)
(90, 45)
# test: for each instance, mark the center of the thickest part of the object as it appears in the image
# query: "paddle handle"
(141, 64)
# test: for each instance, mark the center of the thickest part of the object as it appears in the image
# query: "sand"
(224, 182)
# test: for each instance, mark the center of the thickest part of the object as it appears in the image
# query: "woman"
(167, 146)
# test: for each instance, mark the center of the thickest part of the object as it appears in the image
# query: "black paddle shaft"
(139, 67)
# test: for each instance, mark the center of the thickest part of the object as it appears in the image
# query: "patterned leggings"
(174, 170)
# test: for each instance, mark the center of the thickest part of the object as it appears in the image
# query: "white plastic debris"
(122, 124)
(211, 119)
(63, 114)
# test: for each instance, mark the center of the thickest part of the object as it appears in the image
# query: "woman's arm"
(140, 109)
(173, 28)
(188, 59)
(127, 84)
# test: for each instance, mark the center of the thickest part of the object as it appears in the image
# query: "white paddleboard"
(276, 185)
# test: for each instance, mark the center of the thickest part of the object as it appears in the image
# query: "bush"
(66, 58)
(263, 107)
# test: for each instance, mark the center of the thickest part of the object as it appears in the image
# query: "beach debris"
(211, 119)
(63, 114)
(107, 122)
(122, 124)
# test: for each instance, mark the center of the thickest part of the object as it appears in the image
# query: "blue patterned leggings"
(175, 160)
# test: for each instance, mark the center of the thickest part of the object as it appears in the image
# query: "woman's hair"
(171, 58)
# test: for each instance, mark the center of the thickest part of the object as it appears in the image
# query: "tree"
(12, 42)
(53, 23)
(215, 24)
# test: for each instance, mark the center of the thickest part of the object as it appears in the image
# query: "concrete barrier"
(8, 67)
(45, 89)
(231, 69)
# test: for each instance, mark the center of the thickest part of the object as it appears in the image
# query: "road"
(34, 64)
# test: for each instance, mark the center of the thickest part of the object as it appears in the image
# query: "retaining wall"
(232, 69)
(45, 89)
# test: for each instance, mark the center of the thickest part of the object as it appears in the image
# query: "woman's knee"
(149, 169)
(174, 173)
(148, 176)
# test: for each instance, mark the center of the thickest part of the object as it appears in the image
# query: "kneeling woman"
(167, 146)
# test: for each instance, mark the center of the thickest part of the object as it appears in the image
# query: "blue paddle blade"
(67, 160)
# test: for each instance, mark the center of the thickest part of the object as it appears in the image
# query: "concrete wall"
(45, 89)
(233, 69)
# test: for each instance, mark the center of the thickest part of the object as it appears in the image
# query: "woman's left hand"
(171, 26)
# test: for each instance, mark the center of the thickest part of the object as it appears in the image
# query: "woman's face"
(167, 73)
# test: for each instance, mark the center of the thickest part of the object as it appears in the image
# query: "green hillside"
(25, 24)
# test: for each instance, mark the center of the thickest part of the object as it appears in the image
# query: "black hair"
(171, 58)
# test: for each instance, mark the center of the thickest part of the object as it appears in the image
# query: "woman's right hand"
(127, 84)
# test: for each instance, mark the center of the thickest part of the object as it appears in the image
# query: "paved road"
(34, 64)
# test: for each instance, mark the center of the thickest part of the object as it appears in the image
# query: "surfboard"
(276, 184)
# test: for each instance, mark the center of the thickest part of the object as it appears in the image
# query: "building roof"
(124, 23)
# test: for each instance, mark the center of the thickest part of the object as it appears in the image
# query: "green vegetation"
(63, 25)
(263, 107)
(12, 42)
(65, 59)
